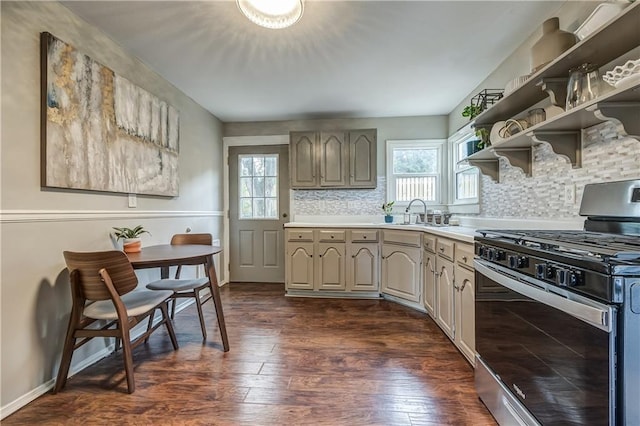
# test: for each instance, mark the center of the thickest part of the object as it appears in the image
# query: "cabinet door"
(362, 158)
(465, 338)
(444, 305)
(299, 262)
(429, 277)
(333, 161)
(362, 272)
(302, 159)
(331, 267)
(401, 272)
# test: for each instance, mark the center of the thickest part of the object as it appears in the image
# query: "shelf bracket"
(565, 143)
(626, 113)
(556, 88)
(489, 168)
(517, 157)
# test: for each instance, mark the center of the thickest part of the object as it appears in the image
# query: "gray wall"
(37, 225)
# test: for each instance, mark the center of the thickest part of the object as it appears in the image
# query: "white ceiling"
(342, 59)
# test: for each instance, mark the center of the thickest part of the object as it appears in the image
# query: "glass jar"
(583, 86)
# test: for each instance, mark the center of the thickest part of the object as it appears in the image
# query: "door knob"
(284, 215)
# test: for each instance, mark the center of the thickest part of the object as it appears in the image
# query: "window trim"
(464, 205)
(440, 145)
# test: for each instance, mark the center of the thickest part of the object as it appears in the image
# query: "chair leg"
(128, 357)
(65, 362)
(153, 314)
(196, 294)
(173, 308)
(169, 324)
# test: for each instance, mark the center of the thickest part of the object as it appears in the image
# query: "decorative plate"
(622, 72)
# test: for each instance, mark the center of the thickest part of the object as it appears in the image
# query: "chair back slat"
(182, 239)
(89, 263)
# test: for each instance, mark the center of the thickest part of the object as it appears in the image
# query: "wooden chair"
(187, 288)
(102, 285)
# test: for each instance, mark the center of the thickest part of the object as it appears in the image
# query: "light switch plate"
(133, 201)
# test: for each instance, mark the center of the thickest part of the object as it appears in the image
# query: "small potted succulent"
(132, 242)
(388, 210)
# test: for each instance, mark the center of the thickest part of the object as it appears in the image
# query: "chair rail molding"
(26, 216)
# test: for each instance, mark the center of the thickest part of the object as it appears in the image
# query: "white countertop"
(460, 233)
(465, 233)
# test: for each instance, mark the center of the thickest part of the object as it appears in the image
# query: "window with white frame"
(415, 170)
(258, 186)
(465, 178)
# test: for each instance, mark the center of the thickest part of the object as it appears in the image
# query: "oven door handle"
(598, 316)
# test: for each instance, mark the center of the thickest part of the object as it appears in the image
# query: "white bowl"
(514, 84)
(621, 72)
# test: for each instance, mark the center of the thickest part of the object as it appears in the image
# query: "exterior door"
(258, 209)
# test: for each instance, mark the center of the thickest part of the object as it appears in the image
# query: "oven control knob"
(562, 277)
(501, 255)
(541, 270)
(491, 254)
(481, 251)
(518, 262)
(574, 278)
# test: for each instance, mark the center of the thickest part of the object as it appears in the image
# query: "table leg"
(215, 294)
(164, 272)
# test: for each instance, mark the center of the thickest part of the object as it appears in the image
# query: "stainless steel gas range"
(558, 317)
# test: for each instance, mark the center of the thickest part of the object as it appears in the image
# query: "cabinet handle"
(364, 238)
(456, 287)
(319, 255)
(463, 286)
(442, 249)
(332, 236)
(353, 256)
(464, 259)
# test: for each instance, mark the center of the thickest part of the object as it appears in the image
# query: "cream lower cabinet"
(429, 274)
(401, 265)
(299, 271)
(332, 260)
(444, 286)
(362, 261)
(464, 301)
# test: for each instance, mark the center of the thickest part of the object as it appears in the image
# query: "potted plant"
(131, 238)
(471, 111)
(388, 210)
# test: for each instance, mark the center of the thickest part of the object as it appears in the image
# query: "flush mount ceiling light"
(274, 14)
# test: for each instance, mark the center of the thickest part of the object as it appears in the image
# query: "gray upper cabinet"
(333, 159)
(302, 158)
(362, 158)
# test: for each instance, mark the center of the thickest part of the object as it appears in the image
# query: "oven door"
(553, 350)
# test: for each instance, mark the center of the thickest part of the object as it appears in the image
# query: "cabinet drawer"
(363, 236)
(464, 255)
(429, 242)
(445, 248)
(301, 235)
(402, 237)
(331, 235)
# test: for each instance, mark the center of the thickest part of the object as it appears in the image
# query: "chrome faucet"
(424, 217)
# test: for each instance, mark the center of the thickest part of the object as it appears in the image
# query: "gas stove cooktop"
(591, 245)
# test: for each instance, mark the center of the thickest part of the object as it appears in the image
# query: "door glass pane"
(258, 195)
(258, 207)
(246, 187)
(246, 166)
(271, 208)
(271, 166)
(246, 210)
(270, 187)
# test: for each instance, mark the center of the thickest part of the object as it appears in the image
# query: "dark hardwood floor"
(292, 361)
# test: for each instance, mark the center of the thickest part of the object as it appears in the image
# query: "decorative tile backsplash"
(607, 155)
(340, 202)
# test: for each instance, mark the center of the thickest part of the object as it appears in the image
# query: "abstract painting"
(101, 132)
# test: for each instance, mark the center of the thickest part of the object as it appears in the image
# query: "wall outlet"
(133, 201)
(570, 194)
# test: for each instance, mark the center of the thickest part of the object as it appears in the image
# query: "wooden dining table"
(167, 255)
